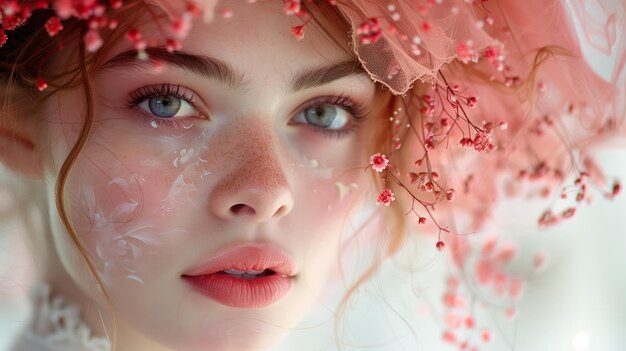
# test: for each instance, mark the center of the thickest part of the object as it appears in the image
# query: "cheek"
(118, 205)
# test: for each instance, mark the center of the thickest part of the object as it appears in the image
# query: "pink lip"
(209, 280)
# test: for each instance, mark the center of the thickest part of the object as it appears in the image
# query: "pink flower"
(465, 52)
(450, 194)
(12, 22)
(385, 197)
(175, 9)
(53, 25)
(369, 31)
(172, 45)
(292, 7)
(472, 101)
(180, 27)
(298, 31)
(440, 245)
(379, 162)
(3, 38)
(41, 84)
(64, 8)
(482, 142)
(491, 54)
(93, 41)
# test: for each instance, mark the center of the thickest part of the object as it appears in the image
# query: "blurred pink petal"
(176, 8)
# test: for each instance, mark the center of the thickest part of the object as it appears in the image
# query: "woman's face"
(185, 163)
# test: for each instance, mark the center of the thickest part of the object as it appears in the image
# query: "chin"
(236, 340)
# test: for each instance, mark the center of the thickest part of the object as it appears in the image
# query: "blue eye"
(326, 116)
(163, 101)
(167, 106)
(333, 116)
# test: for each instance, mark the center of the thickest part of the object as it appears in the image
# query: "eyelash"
(355, 109)
(166, 89)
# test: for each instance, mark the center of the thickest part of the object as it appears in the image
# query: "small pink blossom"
(482, 142)
(116, 4)
(369, 31)
(180, 27)
(172, 45)
(379, 162)
(430, 143)
(466, 142)
(465, 53)
(227, 12)
(616, 189)
(491, 54)
(449, 337)
(64, 8)
(41, 84)
(133, 35)
(3, 38)
(485, 335)
(292, 7)
(385, 197)
(472, 101)
(440, 245)
(450, 194)
(93, 41)
(12, 22)
(53, 25)
(298, 31)
(193, 10)
(11, 7)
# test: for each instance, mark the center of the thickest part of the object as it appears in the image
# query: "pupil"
(164, 106)
(321, 116)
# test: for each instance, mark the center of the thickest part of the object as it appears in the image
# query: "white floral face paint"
(345, 190)
(183, 157)
(178, 195)
(148, 204)
(314, 166)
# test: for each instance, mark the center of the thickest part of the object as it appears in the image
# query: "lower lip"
(241, 293)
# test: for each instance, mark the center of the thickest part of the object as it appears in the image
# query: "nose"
(256, 187)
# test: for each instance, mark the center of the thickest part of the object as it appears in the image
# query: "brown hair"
(22, 64)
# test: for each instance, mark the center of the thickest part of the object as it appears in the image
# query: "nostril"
(281, 211)
(242, 209)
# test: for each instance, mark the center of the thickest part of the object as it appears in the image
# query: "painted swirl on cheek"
(120, 251)
(178, 195)
(312, 165)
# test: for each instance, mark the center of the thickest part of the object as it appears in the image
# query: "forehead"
(257, 39)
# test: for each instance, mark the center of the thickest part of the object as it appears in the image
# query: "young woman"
(187, 170)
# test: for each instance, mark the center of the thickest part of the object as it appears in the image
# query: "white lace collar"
(56, 325)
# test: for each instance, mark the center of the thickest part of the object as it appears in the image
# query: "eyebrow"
(215, 69)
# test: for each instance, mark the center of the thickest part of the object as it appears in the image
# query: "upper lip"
(247, 256)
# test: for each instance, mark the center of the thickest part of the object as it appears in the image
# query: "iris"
(164, 106)
(321, 115)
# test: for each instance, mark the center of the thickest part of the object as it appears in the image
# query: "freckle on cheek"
(250, 148)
